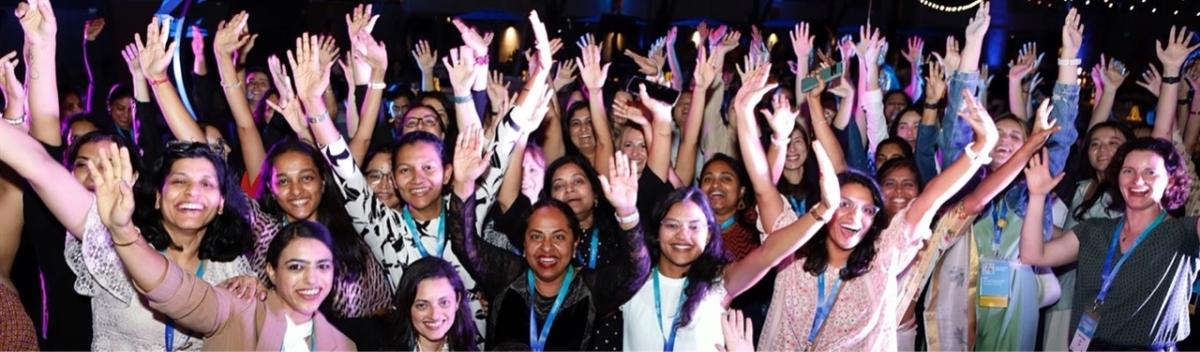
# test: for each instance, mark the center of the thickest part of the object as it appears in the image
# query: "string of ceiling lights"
(1134, 5)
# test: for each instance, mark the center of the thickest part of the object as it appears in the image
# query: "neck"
(722, 217)
(837, 257)
(188, 253)
(297, 316)
(424, 344)
(794, 176)
(669, 269)
(549, 288)
(428, 213)
(585, 220)
(1138, 219)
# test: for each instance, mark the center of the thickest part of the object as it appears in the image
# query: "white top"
(643, 334)
(296, 335)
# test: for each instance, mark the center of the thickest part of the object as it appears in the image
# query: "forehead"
(1143, 159)
(293, 161)
(1106, 133)
(632, 135)
(857, 192)
(900, 174)
(895, 99)
(433, 102)
(420, 111)
(379, 161)
(579, 114)
(548, 219)
(434, 287)
(92, 149)
(568, 170)
(1009, 126)
(910, 117)
(685, 210)
(257, 76)
(194, 167)
(890, 149)
(417, 152)
(306, 249)
(718, 167)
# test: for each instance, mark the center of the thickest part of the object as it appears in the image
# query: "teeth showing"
(434, 325)
(191, 207)
(309, 293)
(299, 202)
(547, 260)
(900, 200)
(419, 191)
(850, 228)
(681, 247)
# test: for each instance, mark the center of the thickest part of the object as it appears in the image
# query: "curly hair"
(461, 335)
(1178, 182)
(350, 253)
(226, 237)
(817, 255)
(706, 270)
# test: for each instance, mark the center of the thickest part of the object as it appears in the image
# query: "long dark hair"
(565, 121)
(226, 237)
(461, 335)
(1105, 183)
(1178, 184)
(745, 212)
(572, 220)
(100, 135)
(350, 253)
(807, 189)
(707, 269)
(817, 256)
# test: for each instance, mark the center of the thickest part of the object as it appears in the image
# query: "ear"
(271, 273)
(447, 174)
(221, 207)
(158, 200)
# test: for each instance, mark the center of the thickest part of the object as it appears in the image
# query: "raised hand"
(231, 36)
(469, 159)
(1113, 73)
(565, 75)
(38, 21)
(783, 119)
(589, 63)
(470, 37)
(92, 28)
(738, 332)
(425, 57)
(1176, 51)
(869, 45)
(197, 42)
(844, 89)
(156, 54)
(374, 52)
(753, 89)
(327, 50)
(916, 46)
(981, 123)
(498, 95)
(978, 25)
(133, 60)
(1044, 126)
(244, 50)
(541, 41)
(953, 57)
(846, 48)
(660, 111)
(729, 42)
(633, 114)
(1072, 35)
(14, 91)
(706, 69)
(802, 42)
(112, 173)
(621, 184)
(311, 77)
(1037, 175)
(935, 84)
(288, 106)
(460, 65)
(1151, 80)
(360, 19)
(1025, 62)
(649, 66)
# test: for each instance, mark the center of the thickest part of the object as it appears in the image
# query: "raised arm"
(802, 44)
(1017, 70)
(916, 46)
(63, 195)
(620, 187)
(14, 92)
(689, 143)
(673, 59)
(964, 75)
(426, 59)
(869, 49)
(949, 181)
(1172, 56)
(1034, 249)
(231, 36)
(1113, 75)
(927, 132)
(741, 275)
(155, 57)
(821, 129)
(41, 74)
(141, 90)
(491, 266)
(594, 76)
(376, 57)
(461, 69)
(757, 165)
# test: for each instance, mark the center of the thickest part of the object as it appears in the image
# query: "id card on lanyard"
(996, 272)
(1090, 319)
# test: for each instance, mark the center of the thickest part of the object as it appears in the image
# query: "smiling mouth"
(310, 294)
(190, 207)
(299, 203)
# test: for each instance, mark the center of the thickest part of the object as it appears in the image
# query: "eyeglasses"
(374, 177)
(428, 121)
(850, 205)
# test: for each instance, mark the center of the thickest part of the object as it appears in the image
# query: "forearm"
(427, 80)
(146, 266)
(604, 140)
(1065, 100)
(676, 71)
(1016, 99)
(689, 141)
(914, 82)
(63, 195)
(998, 180)
(1103, 108)
(824, 134)
(877, 129)
(776, 156)
(1193, 127)
(141, 90)
(944, 186)
(510, 188)
(351, 115)
(757, 169)
(1164, 119)
(324, 132)
(845, 110)
(464, 110)
(41, 78)
(178, 120)
(1032, 244)
(368, 118)
(741, 275)
(330, 102)
(955, 133)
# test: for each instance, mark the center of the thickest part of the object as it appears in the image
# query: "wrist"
(125, 235)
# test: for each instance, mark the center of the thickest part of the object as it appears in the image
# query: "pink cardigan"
(230, 323)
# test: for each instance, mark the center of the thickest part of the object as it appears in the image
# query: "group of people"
(844, 203)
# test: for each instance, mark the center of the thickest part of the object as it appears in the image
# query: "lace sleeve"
(615, 284)
(493, 268)
(95, 261)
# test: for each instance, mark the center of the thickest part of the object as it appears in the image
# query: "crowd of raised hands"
(769, 199)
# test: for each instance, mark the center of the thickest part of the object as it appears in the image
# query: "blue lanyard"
(668, 340)
(594, 234)
(999, 222)
(169, 331)
(537, 340)
(416, 235)
(824, 305)
(800, 207)
(1107, 273)
(725, 225)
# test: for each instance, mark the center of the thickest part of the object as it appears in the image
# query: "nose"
(857, 216)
